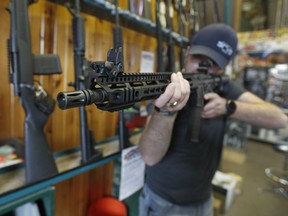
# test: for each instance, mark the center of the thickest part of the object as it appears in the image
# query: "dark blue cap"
(217, 41)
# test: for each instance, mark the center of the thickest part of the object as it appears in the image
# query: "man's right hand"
(176, 94)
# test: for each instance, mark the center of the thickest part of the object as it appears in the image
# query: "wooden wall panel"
(75, 195)
(5, 100)
(51, 32)
(11, 112)
(65, 132)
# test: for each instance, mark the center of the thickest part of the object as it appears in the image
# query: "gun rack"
(106, 11)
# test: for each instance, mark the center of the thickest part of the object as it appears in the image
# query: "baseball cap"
(217, 41)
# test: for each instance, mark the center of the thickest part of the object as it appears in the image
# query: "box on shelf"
(225, 187)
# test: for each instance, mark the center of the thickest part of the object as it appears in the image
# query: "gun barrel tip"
(61, 101)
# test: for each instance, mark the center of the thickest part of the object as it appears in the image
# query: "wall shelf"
(32, 188)
(69, 165)
(106, 11)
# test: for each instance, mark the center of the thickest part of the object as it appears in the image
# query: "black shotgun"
(37, 103)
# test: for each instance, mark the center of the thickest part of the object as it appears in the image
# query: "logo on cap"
(225, 48)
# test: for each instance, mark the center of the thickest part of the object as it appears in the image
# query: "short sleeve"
(234, 90)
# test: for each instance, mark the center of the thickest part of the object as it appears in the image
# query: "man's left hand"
(215, 106)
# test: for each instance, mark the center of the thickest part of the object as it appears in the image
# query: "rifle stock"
(37, 103)
(39, 160)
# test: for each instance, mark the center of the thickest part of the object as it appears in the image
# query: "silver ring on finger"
(173, 104)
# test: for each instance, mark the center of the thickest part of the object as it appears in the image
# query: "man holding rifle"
(179, 169)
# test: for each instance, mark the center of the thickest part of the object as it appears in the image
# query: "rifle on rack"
(203, 13)
(193, 18)
(159, 38)
(216, 11)
(37, 103)
(116, 56)
(170, 45)
(180, 5)
(114, 92)
(81, 68)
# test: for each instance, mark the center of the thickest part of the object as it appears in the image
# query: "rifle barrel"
(67, 100)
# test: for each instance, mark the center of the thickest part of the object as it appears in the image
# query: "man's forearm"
(156, 137)
(261, 114)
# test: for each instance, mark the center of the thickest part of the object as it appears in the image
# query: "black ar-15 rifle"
(37, 103)
(112, 92)
(88, 153)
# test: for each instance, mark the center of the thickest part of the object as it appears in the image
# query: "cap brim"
(202, 50)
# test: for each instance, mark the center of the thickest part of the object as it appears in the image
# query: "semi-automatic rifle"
(113, 92)
(88, 152)
(37, 103)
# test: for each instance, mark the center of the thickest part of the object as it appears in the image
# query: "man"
(179, 171)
